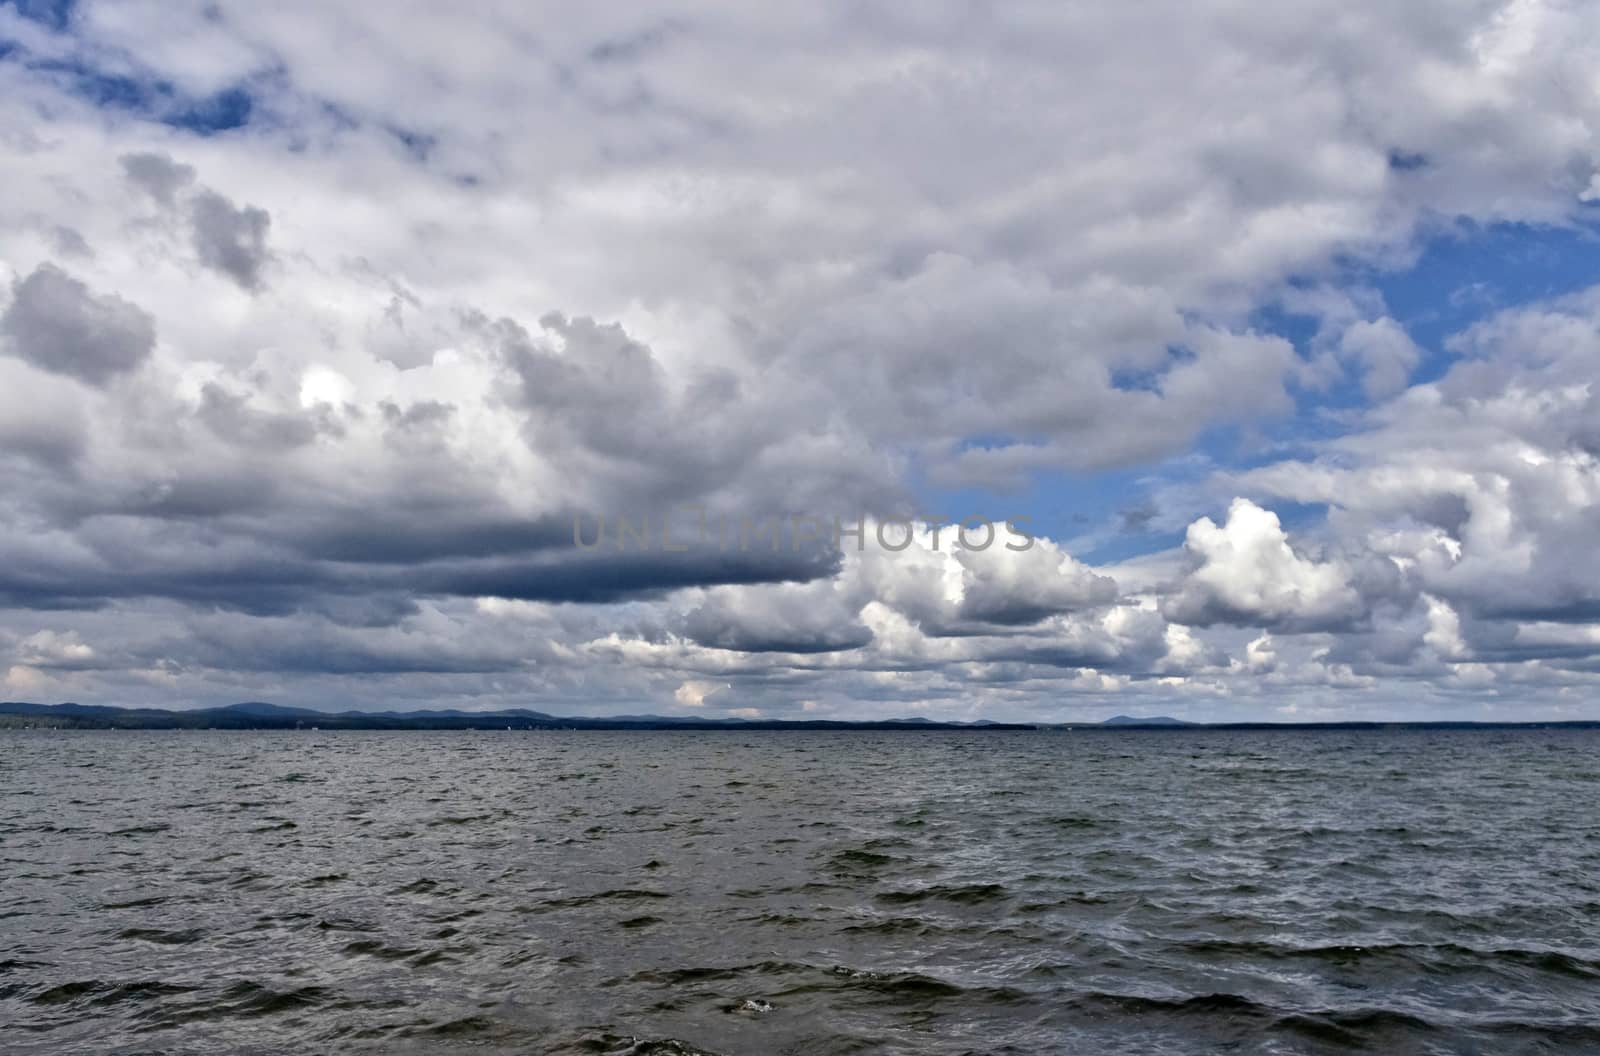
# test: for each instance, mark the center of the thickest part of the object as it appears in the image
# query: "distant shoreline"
(18, 715)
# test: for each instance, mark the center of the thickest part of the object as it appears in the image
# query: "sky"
(1255, 345)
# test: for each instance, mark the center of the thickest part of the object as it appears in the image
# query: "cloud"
(42, 418)
(506, 268)
(781, 618)
(56, 323)
(1019, 587)
(1246, 572)
(52, 649)
(158, 175)
(1386, 354)
(230, 239)
(1474, 495)
(693, 693)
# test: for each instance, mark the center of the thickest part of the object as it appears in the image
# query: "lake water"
(760, 893)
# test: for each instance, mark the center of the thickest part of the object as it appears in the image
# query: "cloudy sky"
(1276, 328)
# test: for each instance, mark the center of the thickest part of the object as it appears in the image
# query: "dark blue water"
(1172, 892)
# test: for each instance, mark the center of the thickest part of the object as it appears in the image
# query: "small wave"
(433, 957)
(638, 922)
(466, 1025)
(65, 993)
(1074, 821)
(1201, 1004)
(917, 987)
(162, 938)
(891, 926)
(1355, 1029)
(135, 903)
(250, 1000)
(149, 829)
(851, 860)
(97, 993)
(621, 1045)
(1349, 1028)
(621, 894)
(344, 924)
(676, 976)
(1420, 956)
(373, 948)
(965, 894)
(323, 880)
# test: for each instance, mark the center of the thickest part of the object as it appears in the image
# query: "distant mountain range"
(1156, 720)
(258, 715)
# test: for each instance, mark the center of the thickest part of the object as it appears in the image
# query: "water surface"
(731, 893)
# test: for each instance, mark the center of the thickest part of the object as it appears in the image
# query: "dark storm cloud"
(310, 645)
(1018, 604)
(418, 532)
(58, 324)
(252, 503)
(562, 575)
(744, 640)
(1566, 604)
(329, 569)
(768, 629)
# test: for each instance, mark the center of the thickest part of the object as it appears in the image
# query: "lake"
(784, 892)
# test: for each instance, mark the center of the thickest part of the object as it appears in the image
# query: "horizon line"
(262, 715)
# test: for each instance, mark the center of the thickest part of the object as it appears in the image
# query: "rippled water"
(1183, 892)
